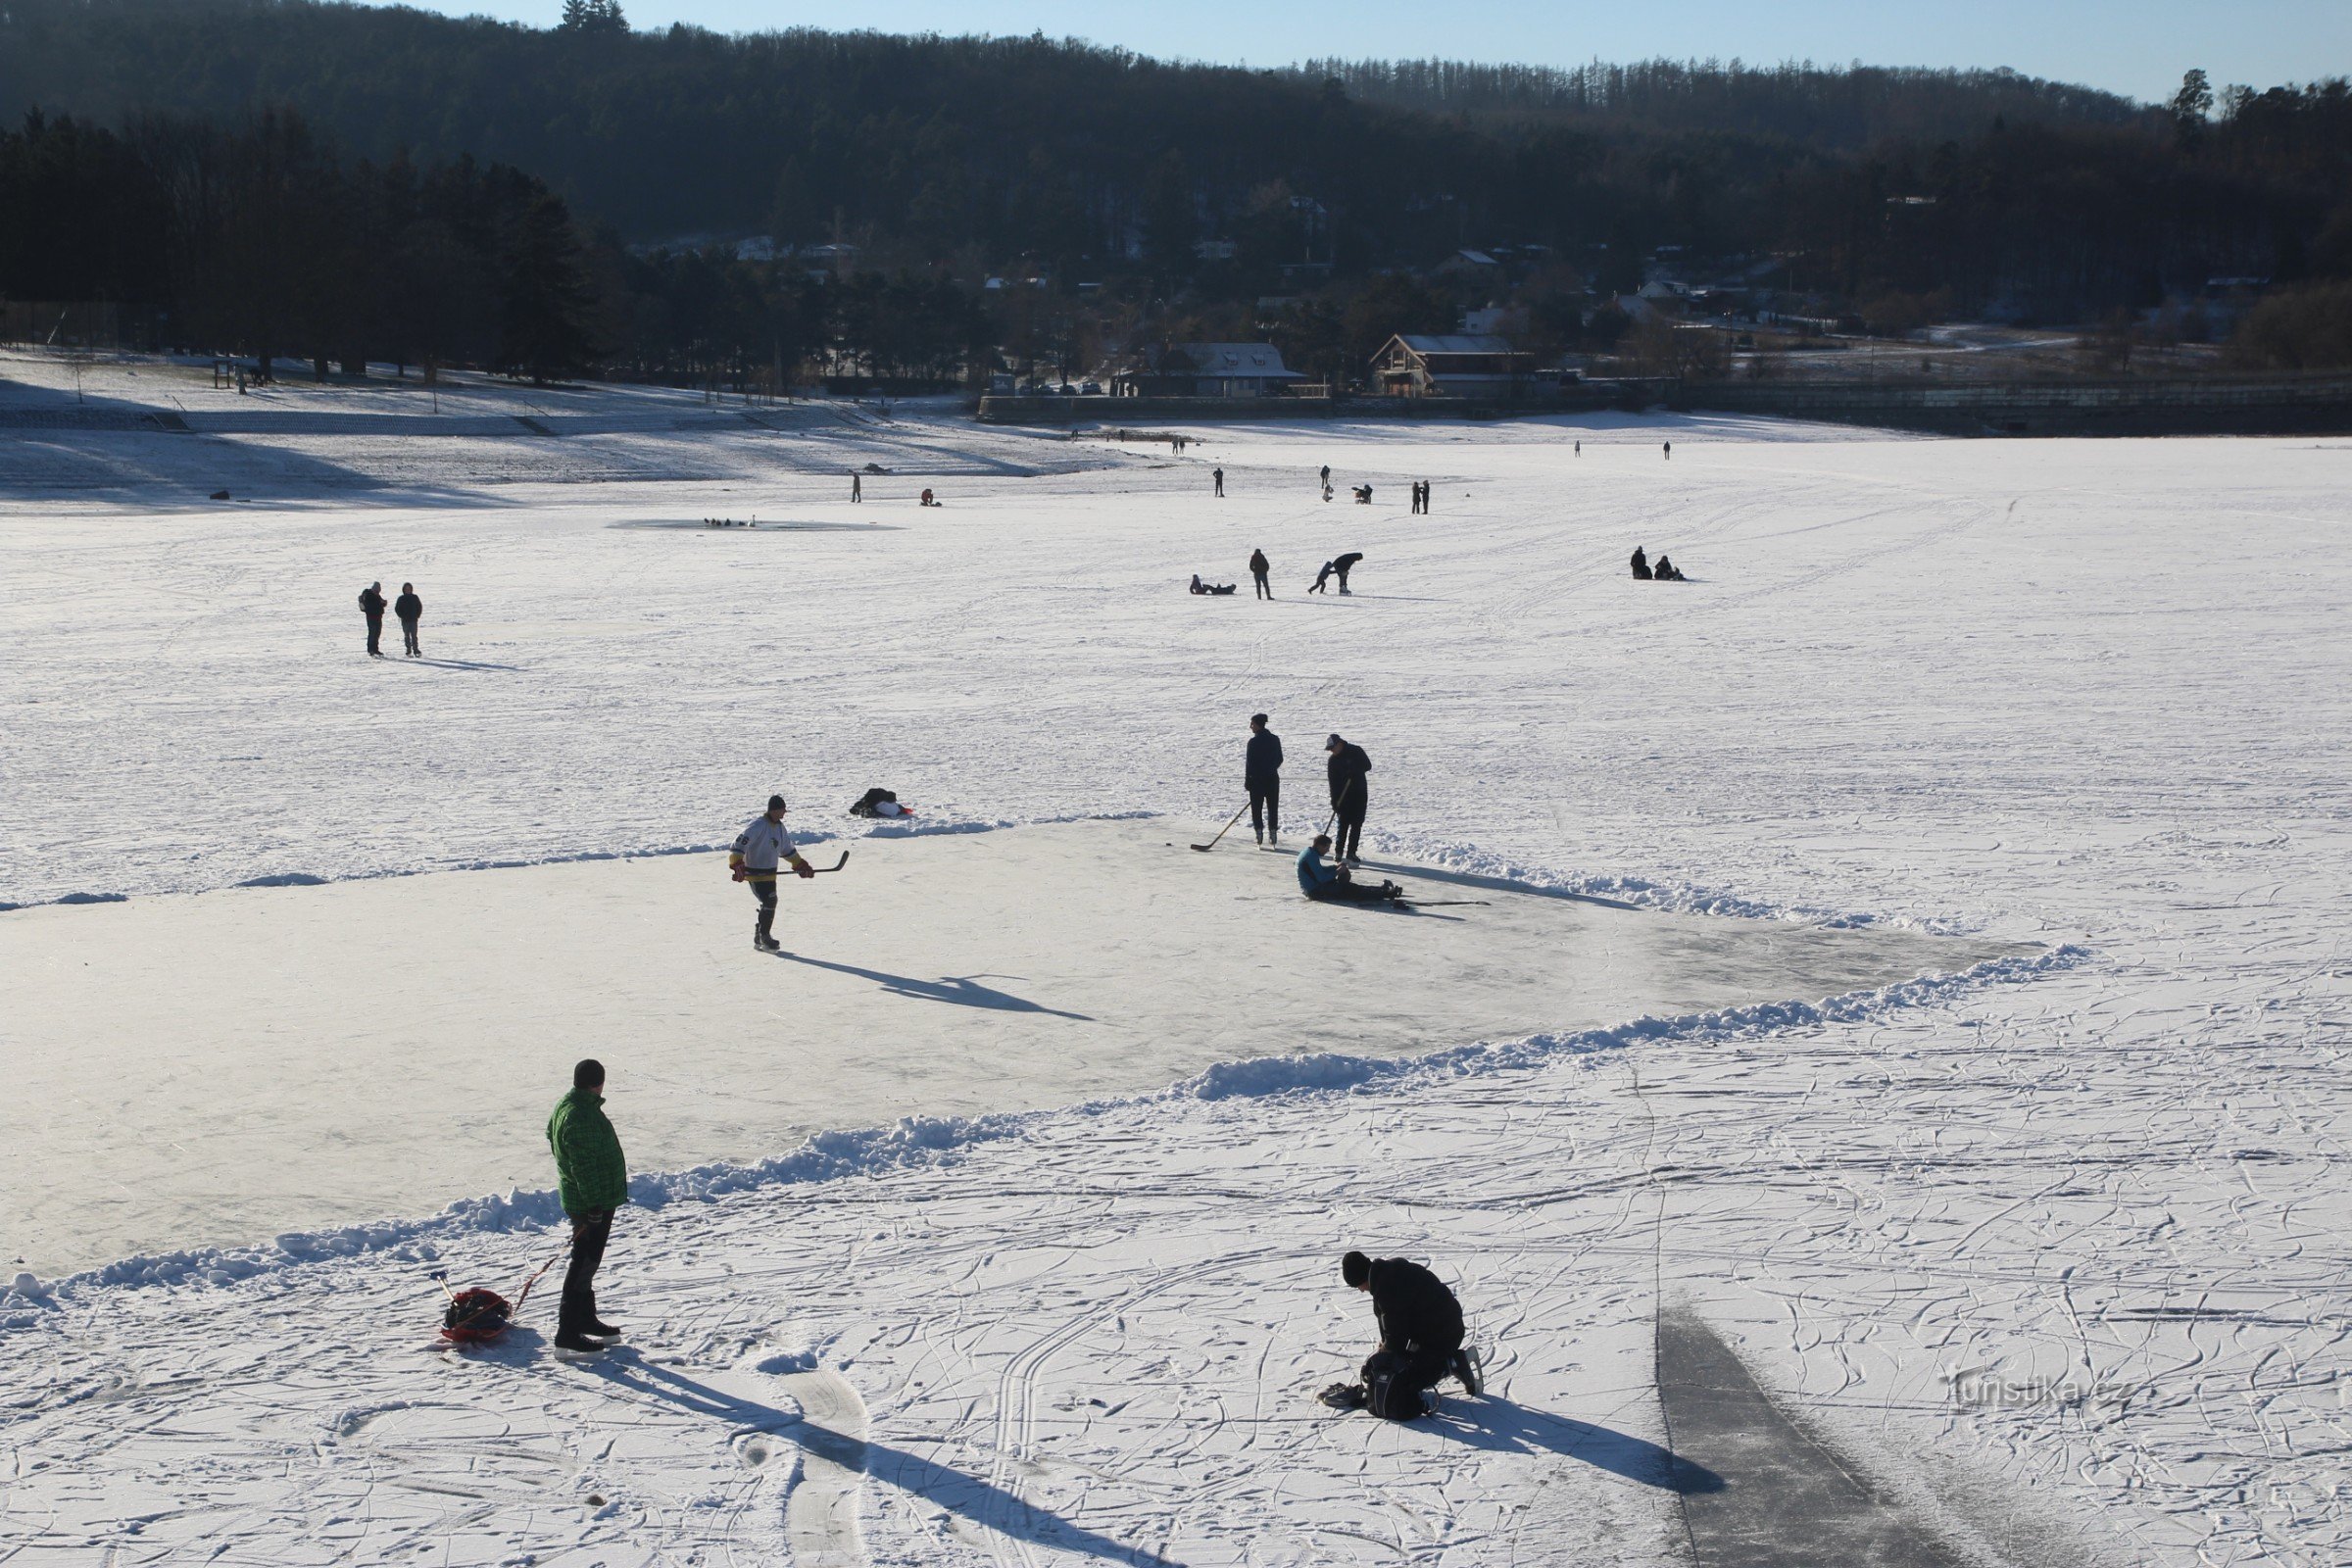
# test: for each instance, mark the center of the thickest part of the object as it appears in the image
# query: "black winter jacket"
(371, 603)
(408, 607)
(1416, 1311)
(1263, 766)
(1348, 765)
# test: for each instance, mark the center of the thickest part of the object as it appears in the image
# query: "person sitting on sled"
(1420, 1340)
(1326, 883)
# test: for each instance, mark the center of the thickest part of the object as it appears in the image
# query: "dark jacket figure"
(1219, 475)
(1259, 566)
(1348, 768)
(593, 1180)
(1640, 564)
(1420, 1334)
(372, 604)
(1343, 565)
(1261, 776)
(1321, 577)
(1666, 571)
(411, 609)
(1326, 883)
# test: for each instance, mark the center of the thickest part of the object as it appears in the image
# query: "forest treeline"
(943, 160)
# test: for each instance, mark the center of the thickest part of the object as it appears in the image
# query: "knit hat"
(775, 803)
(1333, 743)
(1356, 1269)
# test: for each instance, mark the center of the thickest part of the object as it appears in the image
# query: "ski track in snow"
(2063, 1264)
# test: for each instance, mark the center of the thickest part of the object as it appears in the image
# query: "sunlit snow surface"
(2059, 1255)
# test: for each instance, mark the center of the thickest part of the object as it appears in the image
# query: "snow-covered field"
(2056, 1252)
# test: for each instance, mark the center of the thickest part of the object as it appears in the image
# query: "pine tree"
(594, 15)
(548, 303)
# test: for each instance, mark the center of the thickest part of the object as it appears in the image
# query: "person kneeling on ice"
(759, 849)
(591, 1178)
(1420, 1340)
(1326, 883)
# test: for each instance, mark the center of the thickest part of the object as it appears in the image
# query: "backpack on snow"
(1386, 1395)
(873, 797)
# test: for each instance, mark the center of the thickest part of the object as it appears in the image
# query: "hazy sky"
(2138, 47)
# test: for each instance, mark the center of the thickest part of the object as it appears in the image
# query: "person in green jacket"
(593, 1178)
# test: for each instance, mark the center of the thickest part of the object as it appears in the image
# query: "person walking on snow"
(1261, 776)
(760, 849)
(1321, 577)
(372, 604)
(1326, 481)
(1420, 1338)
(1218, 474)
(1259, 566)
(1348, 768)
(857, 489)
(593, 1180)
(411, 609)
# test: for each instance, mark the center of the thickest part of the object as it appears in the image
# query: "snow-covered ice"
(2053, 1252)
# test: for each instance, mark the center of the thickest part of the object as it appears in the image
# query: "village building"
(1204, 370)
(1462, 364)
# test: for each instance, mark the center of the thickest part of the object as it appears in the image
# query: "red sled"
(477, 1317)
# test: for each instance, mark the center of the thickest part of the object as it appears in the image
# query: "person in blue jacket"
(1326, 883)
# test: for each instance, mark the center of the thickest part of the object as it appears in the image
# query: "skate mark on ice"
(964, 991)
(821, 1518)
(1782, 1501)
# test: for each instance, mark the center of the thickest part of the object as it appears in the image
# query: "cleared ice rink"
(212, 1070)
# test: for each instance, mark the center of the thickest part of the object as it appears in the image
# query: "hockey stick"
(1221, 832)
(1436, 904)
(821, 870)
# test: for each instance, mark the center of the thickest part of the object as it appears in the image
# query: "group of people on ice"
(407, 608)
(1664, 570)
(1260, 569)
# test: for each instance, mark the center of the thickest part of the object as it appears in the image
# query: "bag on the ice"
(873, 803)
(1386, 1395)
(477, 1316)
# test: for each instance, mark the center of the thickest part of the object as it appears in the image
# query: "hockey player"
(1348, 769)
(759, 850)
(1261, 776)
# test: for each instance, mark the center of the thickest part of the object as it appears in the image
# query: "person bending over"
(1326, 883)
(1420, 1338)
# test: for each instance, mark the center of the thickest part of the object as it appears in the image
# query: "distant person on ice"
(1666, 571)
(1200, 587)
(372, 604)
(1640, 564)
(1348, 768)
(857, 489)
(1420, 1336)
(1259, 566)
(759, 849)
(1326, 883)
(1261, 776)
(593, 1180)
(1327, 481)
(411, 609)
(1343, 565)
(1218, 474)
(1321, 577)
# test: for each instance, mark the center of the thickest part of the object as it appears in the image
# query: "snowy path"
(2062, 1263)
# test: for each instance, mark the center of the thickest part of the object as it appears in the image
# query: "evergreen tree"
(546, 331)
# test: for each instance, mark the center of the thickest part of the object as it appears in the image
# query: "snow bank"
(917, 1141)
